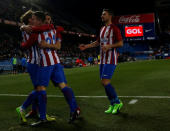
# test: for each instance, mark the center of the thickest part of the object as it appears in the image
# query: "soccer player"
(33, 61)
(50, 67)
(28, 29)
(110, 38)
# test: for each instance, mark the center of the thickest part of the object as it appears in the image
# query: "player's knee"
(40, 88)
(62, 85)
(105, 82)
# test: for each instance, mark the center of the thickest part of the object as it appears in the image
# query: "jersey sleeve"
(117, 34)
(58, 37)
(59, 29)
(39, 29)
(31, 41)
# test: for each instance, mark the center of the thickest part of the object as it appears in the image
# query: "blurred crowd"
(10, 42)
(10, 39)
(9, 46)
(13, 9)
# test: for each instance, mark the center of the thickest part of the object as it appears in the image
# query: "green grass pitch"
(142, 78)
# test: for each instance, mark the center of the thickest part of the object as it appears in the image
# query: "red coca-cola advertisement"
(137, 26)
(134, 19)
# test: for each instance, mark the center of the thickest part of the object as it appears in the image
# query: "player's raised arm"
(26, 28)
(36, 29)
(42, 28)
(93, 44)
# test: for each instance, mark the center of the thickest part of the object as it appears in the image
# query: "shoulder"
(101, 28)
(114, 27)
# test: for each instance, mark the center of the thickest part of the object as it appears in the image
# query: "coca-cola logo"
(131, 19)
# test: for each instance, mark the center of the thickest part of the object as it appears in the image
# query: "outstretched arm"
(39, 29)
(91, 45)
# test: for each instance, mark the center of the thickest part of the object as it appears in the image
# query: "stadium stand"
(76, 32)
(5, 65)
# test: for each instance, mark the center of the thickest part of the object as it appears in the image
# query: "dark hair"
(47, 14)
(26, 16)
(40, 15)
(109, 11)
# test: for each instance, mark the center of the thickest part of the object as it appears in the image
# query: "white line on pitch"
(151, 97)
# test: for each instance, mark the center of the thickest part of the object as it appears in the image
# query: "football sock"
(111, 93)
(70, 98)
(32, 96)
(42, 102)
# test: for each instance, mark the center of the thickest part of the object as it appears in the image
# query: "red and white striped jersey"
(108, 36)
(48, 57)
(32, 53)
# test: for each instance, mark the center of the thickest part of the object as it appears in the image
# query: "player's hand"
(43, 44)
(82, 47)
(26, 28)
(105, 48)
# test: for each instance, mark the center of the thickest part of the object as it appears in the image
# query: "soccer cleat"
(74, 115)
(117, 108)
(31, 114)
(110, 109)
(21, 114)
(40, 122)
(50, 118)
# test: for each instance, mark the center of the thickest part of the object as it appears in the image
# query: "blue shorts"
(32, 70)
(54, 73)
(106, 71)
